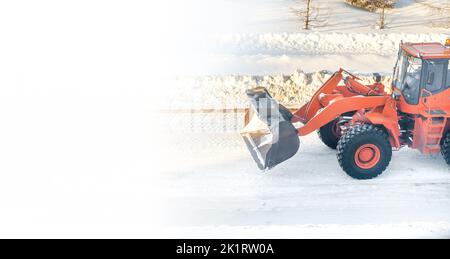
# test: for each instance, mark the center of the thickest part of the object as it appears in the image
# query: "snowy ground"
(215, 190)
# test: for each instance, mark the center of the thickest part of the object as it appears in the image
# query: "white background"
(76, 89)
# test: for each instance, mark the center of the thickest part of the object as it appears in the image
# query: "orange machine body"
(420, 125)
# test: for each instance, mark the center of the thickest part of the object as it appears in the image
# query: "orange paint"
(367, 156)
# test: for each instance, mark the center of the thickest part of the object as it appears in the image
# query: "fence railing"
(209, 120)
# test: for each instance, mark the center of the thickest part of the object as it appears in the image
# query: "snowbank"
(319, 43)
(229, 91)
(269, 53)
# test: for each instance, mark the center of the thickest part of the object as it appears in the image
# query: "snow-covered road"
(215, 183)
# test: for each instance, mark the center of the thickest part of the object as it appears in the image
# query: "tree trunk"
(307, 14)
(382, 18)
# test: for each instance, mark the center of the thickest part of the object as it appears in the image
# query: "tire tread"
(345, 158)
(445, 148)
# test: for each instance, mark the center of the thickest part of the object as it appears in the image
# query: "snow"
(318, 43)
(253, 37)
(268, 16)
(228, 91)
(262, 54)
(82, 153)
(214, 189)
(373, 231)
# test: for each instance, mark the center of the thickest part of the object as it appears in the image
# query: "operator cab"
(422, 70)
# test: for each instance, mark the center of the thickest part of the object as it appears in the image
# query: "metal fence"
(207, 120)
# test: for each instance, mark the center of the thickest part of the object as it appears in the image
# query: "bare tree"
(382, 6)
(308, 13)
(375, 5)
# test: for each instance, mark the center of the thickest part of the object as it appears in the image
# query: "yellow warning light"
(447, 42)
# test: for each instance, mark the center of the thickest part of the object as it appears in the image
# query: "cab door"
(434, 94)
(433, 107)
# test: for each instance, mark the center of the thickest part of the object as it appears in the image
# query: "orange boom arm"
(330, 92)
(338, 107)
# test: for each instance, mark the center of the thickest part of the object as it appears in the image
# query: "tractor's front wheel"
(330, 134)
(364, 151)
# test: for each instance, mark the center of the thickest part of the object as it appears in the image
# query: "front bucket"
(270, 136)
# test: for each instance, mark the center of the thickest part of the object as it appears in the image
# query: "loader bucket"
(269, 135)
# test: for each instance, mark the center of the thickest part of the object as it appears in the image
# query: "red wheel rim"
(367, 156)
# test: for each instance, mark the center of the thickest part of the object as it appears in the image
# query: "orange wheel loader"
(363, 122)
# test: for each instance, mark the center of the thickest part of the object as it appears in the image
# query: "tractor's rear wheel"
(445, 148)
(364, 151)
(330, 134)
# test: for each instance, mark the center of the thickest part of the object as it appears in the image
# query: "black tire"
(354, 139)
(445, 148)
(327, 135)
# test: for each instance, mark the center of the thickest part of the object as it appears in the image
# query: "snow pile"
(269, 53)
(318, 43)
(220, 92)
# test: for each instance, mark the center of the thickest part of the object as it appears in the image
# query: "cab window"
(410, 84)
(448, 77)
(434, 76)
(399, 72)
